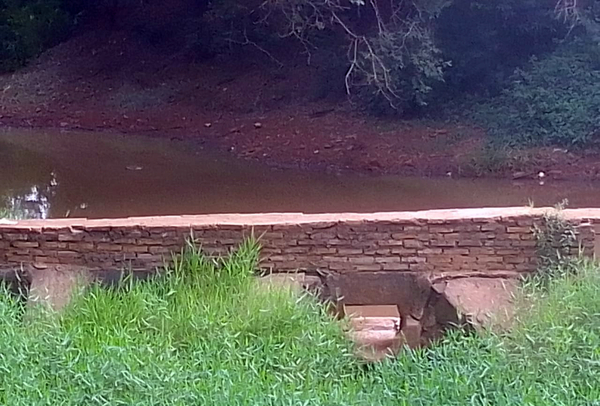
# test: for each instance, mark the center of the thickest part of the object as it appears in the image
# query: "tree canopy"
(393, 55)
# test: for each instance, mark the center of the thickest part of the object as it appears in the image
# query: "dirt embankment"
(283, 116)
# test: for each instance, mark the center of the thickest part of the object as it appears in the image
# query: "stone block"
(56, 285)
(483, 301)
(375, 330)
(411, 332)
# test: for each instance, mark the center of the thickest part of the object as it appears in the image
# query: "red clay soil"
(110, 81)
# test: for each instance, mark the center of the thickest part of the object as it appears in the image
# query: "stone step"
(380, 332)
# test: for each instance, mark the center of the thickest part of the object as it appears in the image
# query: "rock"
(258, 125)
(519, 175)
(375, 330)
(56, 285)
(484, 302)
(376, 345)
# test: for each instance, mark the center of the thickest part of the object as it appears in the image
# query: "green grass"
(207, 334)
(4, 214)
(11, 213)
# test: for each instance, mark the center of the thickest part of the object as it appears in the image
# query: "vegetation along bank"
(457, 88)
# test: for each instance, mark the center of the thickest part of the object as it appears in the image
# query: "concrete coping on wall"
(267, 219)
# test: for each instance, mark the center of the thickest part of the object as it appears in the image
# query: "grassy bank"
(207, 335)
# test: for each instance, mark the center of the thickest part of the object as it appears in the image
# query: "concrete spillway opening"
(389, 311)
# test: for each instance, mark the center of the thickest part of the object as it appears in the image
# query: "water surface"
(54, 174)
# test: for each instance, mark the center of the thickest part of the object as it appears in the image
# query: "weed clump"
(556, 243)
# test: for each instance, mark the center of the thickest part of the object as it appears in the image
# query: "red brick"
(413, 244)
(367, 267)
(362, 260)
(71, 237)
(25, 244)
(488, 259)
(396, 267)
(282, 258)
(109, 247)
(404, 251)
(45, 260)
(349, 251)
(430, 251)
(413, 259)
(518, 230)
(388, 260)
(16, 237)
(390, 243)
(456, 251)
(77, 246)
(68, 254)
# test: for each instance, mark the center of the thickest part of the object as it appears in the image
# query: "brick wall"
(468, 240)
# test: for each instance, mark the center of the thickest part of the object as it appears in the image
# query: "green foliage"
(555, 101)
(412, 62)
(11, 213)
(486, 41)
(489, 160)
(205, 333)
(27, 27)
(391, 56)
(556, 242)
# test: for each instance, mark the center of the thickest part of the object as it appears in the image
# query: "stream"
(53, 174)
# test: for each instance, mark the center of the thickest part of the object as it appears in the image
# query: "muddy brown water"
(55, 174)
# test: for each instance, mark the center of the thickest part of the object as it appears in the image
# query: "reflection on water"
(53, 174)
(34, 203)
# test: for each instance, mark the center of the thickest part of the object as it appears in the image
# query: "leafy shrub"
(27, 27)
(556, 243)
(555, 101)
(486, 41)
(490, 159)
